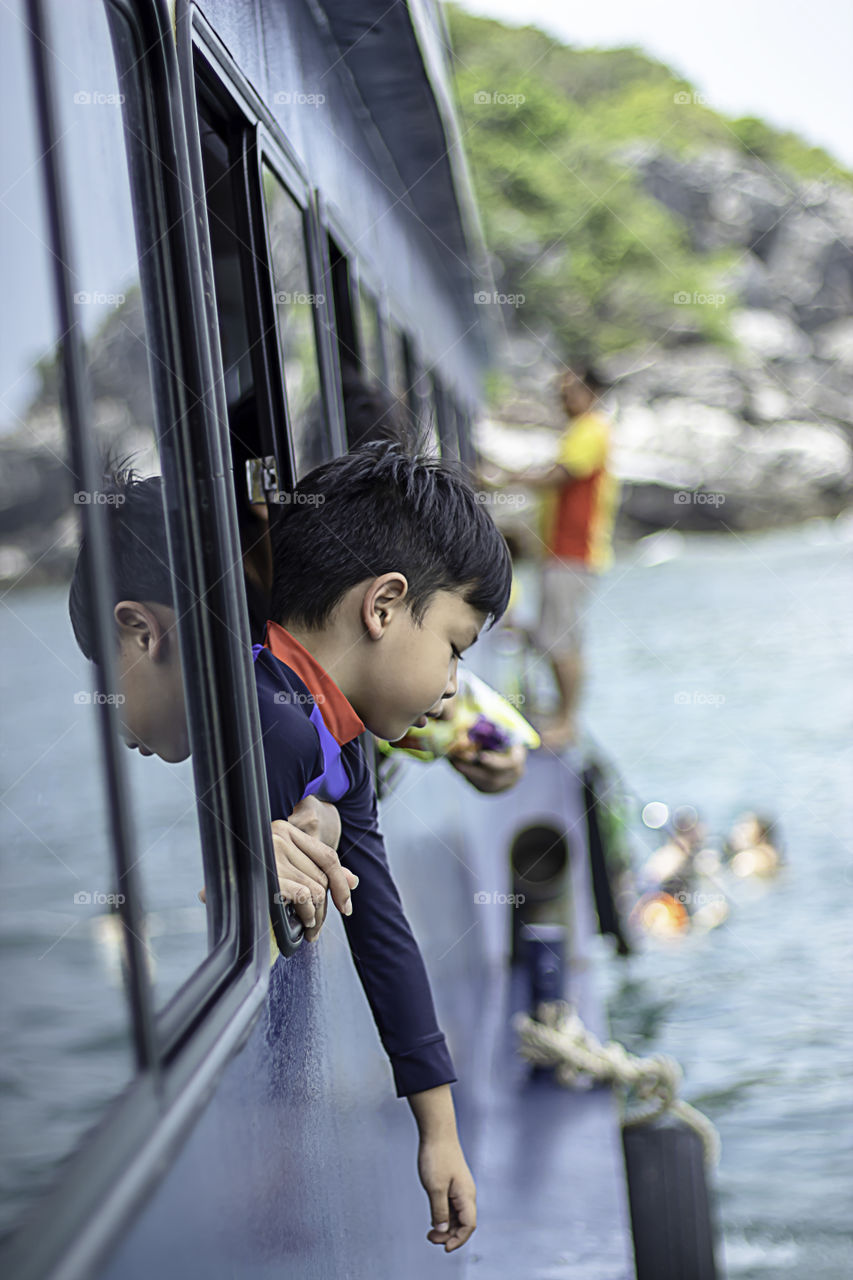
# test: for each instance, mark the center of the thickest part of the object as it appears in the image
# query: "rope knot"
(557, 1038)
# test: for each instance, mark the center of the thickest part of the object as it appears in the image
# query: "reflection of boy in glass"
(153, 713)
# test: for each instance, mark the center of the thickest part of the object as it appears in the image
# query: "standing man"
(578, 512)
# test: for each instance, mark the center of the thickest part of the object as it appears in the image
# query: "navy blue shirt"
(311, 747)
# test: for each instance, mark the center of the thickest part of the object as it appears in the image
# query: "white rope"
(557, 1038)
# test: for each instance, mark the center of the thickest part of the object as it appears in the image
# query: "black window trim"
(200, 50)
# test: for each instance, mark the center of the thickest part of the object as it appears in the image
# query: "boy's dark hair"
(377, 510)
(139, 552)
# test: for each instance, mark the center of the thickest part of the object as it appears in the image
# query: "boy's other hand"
(493, 771)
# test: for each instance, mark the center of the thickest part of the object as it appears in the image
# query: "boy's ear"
(383, 598)
(140, 625)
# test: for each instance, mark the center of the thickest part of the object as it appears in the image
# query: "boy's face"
(414, 667)
(152, 714)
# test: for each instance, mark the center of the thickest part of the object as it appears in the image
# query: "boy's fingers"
(440, 1216)
(291, 862)
(464, 1218)
(299, 889)
(301, 897)
(341, 881)
(312, 932)
(288, 852)
(495, 759)
(202, 896)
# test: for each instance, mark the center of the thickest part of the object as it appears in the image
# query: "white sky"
(787, 61)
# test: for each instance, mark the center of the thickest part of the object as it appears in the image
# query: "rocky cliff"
(755, 430)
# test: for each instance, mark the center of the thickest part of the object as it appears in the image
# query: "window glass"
(295, 305)
(93, 111)
(67, 1048)
(221, 171)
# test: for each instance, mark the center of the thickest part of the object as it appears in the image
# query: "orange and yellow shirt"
(578, 516)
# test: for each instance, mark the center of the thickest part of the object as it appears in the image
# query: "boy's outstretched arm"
(442, 1168)
(392, 972)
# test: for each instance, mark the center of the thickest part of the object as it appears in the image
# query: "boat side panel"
(304, 1163)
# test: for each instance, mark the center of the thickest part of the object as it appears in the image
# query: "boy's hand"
(317, 818)
(307, 865)
(447, 1181)
(442, 1169)
(493, 771)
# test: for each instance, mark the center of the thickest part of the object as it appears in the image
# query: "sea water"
(719, 676)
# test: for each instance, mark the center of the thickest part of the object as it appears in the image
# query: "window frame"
(204, 60)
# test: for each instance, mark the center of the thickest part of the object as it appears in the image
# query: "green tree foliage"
(565, 217)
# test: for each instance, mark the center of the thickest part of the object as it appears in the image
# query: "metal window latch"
(261, 479)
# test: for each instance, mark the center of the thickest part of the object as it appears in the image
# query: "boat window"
(398, 380)
(445, 411)
(398, 386)
(421, 401)
(67, 1050)
(93, 111)
(343, 306)
(359, 390)
(371, 355)
(296, 307)
(467, 450)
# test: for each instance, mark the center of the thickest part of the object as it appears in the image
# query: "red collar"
(338, 715)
